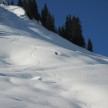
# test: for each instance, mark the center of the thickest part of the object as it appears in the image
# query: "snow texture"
(39, 69)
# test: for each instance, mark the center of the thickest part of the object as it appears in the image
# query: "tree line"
(71, 30)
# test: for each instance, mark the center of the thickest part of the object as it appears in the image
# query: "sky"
(93, 15)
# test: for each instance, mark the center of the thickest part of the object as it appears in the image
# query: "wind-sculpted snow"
(39, 69)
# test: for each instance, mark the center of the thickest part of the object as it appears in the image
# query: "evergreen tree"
(68, 28)
(61, 32)
(45, 16)
(9, 3)
(12, 2)
(47, 19)
(34, 14)
(24, 4)
(77, 37)
(20, 3)
(51, 23)
(89, 46)
(26, 8)
(72, 31)
(30, 7)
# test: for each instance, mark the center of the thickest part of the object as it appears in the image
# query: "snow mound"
(14, 9)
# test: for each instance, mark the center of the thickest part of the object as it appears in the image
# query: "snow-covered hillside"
(39, 69)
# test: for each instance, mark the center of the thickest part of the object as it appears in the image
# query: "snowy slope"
(32, 75)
